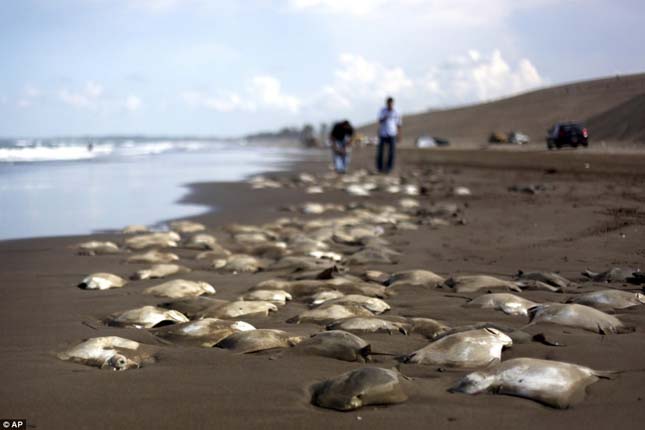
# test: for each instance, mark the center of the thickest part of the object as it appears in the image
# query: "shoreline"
(574, 224)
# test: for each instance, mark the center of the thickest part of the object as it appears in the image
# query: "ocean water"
(56, 187)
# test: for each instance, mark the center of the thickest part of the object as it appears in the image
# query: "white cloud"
(32, 92)
(359, 77)
(476, 77)
(202, 54)
(262, 93)
(359, 87)
(29, 97)
(133, 103)
(268, 92)
(221, 102)
(23, 103)
(86, 98)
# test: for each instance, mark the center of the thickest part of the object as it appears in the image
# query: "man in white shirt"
(389, 132)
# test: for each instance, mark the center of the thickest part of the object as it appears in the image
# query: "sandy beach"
(587, 212)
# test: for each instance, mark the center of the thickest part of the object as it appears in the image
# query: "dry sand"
(591, 215)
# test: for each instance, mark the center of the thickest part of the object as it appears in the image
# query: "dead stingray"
(358, 388)
(580, 316)
(615, 274)
(553, 383)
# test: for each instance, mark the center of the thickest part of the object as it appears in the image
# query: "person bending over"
(341, 140)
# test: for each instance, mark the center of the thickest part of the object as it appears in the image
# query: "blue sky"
(200, 67)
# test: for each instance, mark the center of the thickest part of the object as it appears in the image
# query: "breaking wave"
(43, 150)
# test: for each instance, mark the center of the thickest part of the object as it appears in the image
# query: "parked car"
(512, 137)
(498, 137)
(567, 134)
(518, 138)
(427, 141)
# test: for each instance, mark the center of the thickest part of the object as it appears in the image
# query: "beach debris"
(475, 283)
(153, 256)
(553, 383)
(358, 388)
(205, 332)
(245, 342)
(97, 248)
(337, 344)
(101, 281)
(180, 288)
(467, 349)
(609, 299)
(575, 315)
(146, 317)
(185, 227)
(277, 297)
(159, 271)
(508, 303)
(370, 325)
(110, 352)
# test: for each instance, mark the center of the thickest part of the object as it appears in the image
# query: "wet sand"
(586, 217)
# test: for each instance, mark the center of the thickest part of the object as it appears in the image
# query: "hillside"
(612, 108)
(623, 122)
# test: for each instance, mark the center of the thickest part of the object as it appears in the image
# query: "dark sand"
(588, 217)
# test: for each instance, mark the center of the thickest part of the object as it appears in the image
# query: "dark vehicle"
(567, 134)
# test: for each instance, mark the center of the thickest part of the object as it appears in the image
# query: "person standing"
(341, 139)
(389, 133)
